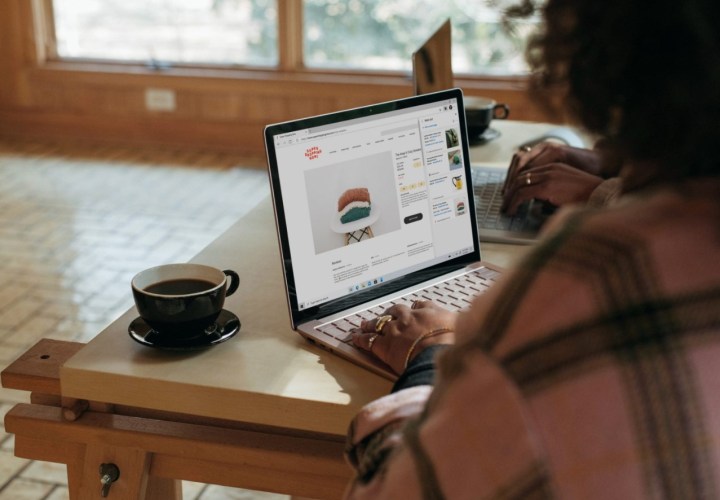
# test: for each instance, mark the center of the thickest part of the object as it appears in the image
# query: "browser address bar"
(406, 126)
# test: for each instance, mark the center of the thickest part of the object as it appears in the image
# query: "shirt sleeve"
(376, 430)
(421, 370)
(415, 443)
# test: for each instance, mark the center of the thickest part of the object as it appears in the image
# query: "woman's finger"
(376, 325)
(421, 304)
(366, 341)
(523, 188)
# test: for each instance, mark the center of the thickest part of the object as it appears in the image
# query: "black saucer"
(488, 135)
(226, 325)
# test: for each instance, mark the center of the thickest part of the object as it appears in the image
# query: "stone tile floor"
(76, 223)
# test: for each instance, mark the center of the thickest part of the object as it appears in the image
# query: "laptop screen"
(371, 199)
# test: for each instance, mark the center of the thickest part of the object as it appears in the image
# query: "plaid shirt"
(590, 371)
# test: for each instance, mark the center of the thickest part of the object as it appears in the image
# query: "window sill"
(98, 72)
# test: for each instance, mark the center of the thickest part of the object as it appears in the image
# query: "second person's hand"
(555, 183)
(551, 172)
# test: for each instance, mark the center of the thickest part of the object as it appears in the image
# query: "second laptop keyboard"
(487, 187)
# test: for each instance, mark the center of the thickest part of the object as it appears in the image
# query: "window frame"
(222, 108)
(290, 59)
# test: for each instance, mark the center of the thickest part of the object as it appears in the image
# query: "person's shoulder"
(690, 202)
(656, 226)
(658, 212)
(607, 193)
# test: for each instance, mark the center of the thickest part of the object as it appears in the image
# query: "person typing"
(590, 370)
(558, 175)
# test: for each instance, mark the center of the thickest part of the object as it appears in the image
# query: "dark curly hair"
(643, 74)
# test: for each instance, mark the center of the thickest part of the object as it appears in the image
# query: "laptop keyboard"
(454, 294)
(487, 187)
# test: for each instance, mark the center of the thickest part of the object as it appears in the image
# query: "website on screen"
(372, 199)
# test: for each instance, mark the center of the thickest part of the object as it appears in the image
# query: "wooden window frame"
(290, 58)
(219, 107)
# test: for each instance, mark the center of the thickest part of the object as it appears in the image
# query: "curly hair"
(643, 74)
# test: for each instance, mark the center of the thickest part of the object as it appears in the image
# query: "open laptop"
(432, 62)
(374, 206)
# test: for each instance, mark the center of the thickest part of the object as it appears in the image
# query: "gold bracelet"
(422, 337)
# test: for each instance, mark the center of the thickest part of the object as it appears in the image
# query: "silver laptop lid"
(371, 200)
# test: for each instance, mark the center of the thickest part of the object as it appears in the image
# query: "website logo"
(313, 153)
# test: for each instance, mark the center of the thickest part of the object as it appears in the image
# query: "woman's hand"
(551, 172)
(587, 160)
(555, 183)
(391, 336)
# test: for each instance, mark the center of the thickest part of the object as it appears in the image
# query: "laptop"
(374, 207)
(432, 62)
(488, 180)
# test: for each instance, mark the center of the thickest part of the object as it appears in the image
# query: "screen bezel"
(333, 306)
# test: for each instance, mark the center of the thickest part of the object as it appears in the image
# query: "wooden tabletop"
(266, 374)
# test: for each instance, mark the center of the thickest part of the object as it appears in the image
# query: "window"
(382, 34)
(226, 32)
(336, 34)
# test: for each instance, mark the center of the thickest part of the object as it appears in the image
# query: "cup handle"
(505, 111)
(234, 281)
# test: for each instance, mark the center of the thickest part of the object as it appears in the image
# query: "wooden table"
(264, 410)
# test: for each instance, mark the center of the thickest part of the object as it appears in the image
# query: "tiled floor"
(76, 224)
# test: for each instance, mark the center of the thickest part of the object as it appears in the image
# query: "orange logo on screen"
(313, 153)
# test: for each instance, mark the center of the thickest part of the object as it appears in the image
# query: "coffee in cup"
(479, 112)
(182, 299)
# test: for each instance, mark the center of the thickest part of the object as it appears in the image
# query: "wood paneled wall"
(215, 108)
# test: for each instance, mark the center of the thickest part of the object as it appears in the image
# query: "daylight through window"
(226, 32)
(337, 34)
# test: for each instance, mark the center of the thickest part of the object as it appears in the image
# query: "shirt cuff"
(421, 370)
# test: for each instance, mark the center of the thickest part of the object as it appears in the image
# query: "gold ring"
(371, 341)
(528, 181)
(526, 149)
(380, 324)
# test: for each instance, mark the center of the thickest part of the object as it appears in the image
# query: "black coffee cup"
(182, 299)
(479, 112)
